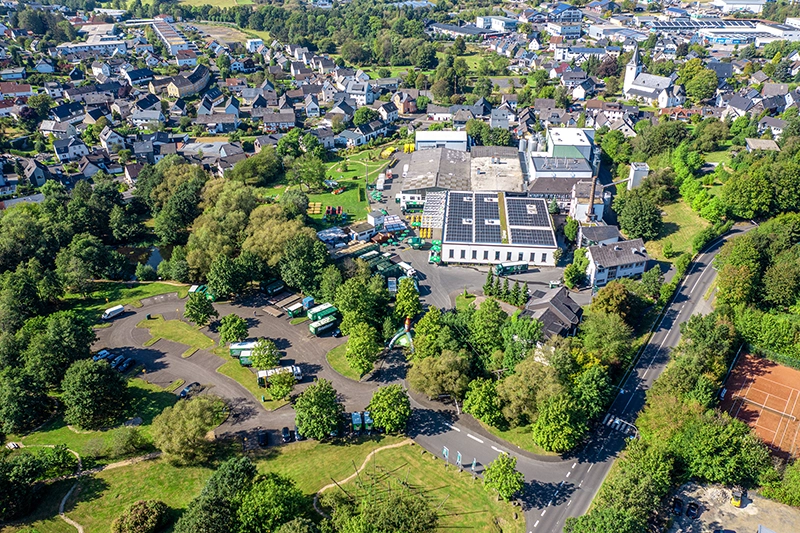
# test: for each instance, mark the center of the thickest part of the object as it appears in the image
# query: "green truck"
(503, 269)
(271, 288)
(321, 311)
(322, 325)
(295, 310)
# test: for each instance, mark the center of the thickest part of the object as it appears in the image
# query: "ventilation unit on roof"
(467, 221)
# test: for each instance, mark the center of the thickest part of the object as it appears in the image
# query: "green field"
(336, 358)
(681, 224)
(110, 293)
(462, 501)
(176, 331)
(147, 401)
(464, 301)
(521, 437)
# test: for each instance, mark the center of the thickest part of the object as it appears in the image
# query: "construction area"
(765, 396)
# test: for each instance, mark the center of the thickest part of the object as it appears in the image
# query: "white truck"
(111, 312)
(405, 171)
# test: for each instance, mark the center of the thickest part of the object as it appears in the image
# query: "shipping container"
(321, 311)
(322, 324)
(295, 310)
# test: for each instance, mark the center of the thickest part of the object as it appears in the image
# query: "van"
(112, 312)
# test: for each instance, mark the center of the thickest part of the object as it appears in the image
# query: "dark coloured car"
(286, 435)
(693, 510)
(102, 354)
(337, 333)
(677, 506)
(188, 389)
(118, 361)
(126, 365)
(263, 440)
(297, 435)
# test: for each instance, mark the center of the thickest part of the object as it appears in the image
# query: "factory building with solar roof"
(483, 228)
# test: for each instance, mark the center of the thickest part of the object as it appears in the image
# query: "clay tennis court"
(766, 396)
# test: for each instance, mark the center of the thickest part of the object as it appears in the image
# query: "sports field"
(766, 396)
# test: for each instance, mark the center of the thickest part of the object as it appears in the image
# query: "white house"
(69, 149)
(454, 140)
(732, 6)
(623, 259)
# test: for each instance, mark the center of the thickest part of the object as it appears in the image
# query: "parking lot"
(717, 513)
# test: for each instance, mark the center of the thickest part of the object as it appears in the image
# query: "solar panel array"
(701, 24)
(529, 221)
(460, 218)
(534, 237)
(487, 219)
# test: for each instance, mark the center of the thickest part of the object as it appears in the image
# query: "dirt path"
(406, 442)
(80, 472)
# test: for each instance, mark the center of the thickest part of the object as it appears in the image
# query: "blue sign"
(458, 458)
(446, 453)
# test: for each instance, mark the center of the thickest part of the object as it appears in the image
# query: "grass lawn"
(177, 331)
(463, 302)
(147, 401)
(298, 320)
(720, 156)
(215, 3)
(101, 498)
(312, 464)
(465, 504)
(45, 519)
(110, 293)
(681, 224)
(520, 437)
(247, 379)
(339, 363)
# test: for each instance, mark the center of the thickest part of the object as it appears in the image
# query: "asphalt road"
(558, 488)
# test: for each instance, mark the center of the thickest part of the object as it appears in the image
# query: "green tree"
(23, 401)
(522, 392)
(571, 230)
(281, 385)
(607, 337)
(298, 525)
(271, 502)
(553, 208)
(265, 355)
(390, 408)
(94, 394)
(615, 299)
(143, 516)
(206, 514)
(224, 277)
(605, 519)
(145, 272)
(295, 202)
(329, 282)
(362, 348)
(41, 103)
(652, 280)
(407, 303)
(124, 224)
(520, 335)
(446, 374)
(307, 170)
(232, 328)
(488, 289)
(199, 309)
(180, 431)
(485, 327)
(560, 425)
(317, 410)
(483, 403)
(640, 217)
(304, 259)
(593, 391)
(364, 115)
(702, 86)
(502, 477)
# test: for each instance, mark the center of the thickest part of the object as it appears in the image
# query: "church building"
(653, 90)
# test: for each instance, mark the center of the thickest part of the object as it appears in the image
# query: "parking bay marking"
(473, 437)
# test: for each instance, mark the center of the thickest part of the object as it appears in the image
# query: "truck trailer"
(321, 311)
(322, 325)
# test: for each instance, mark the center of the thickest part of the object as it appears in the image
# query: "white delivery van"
(112, 312)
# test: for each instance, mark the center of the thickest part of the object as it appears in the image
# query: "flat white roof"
(441, 136)
(569, 136)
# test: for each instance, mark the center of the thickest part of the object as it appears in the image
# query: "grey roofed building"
(594, 235)
(625, 253)
(761, 144)
(774, 89)
(438, 168)
(556, 310)
(722, 70)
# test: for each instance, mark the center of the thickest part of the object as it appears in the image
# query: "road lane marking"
(473, 437)
(569, 502)
(453, 427)
(536, 524)
(579, 484)
(497, 450)
(550, 502)
(590, 466)
(568, 473)
(543, 512)
(574, 465)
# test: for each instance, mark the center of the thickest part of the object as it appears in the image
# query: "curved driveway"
(556, 487)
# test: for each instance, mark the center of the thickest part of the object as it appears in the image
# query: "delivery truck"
(111, 312)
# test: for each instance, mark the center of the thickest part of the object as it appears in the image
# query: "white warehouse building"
(454, 140)
(486, 228)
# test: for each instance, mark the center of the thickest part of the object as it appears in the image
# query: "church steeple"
(632, 69)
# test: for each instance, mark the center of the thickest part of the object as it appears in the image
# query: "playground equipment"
(403, 336)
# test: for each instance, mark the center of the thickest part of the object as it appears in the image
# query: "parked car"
(188, 389)
(126, 364)
(263, 439)
(102, 354)
(677, 506)
(116, 362)
(297, 436)
(693, 510)
(337, 333)
(286, 435)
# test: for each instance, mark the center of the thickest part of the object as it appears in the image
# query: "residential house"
(110, 138)
(219, 122)
(229, 106)
(36, 173)
(501, 118)
(12, 90)
(140, 76)
(767, 145)
(57, 130)
(12, 74)
(72, 112)
(53, 89)
(388, 112)
(311, 106)
(183, 86)
(132, 171)
(186, 58)
(623, 259)
(43, 67)
(273, 121)
(142, 118)
(774, 125)
(69, 149)
(558, 313)
(360, 92)
(263, 141)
